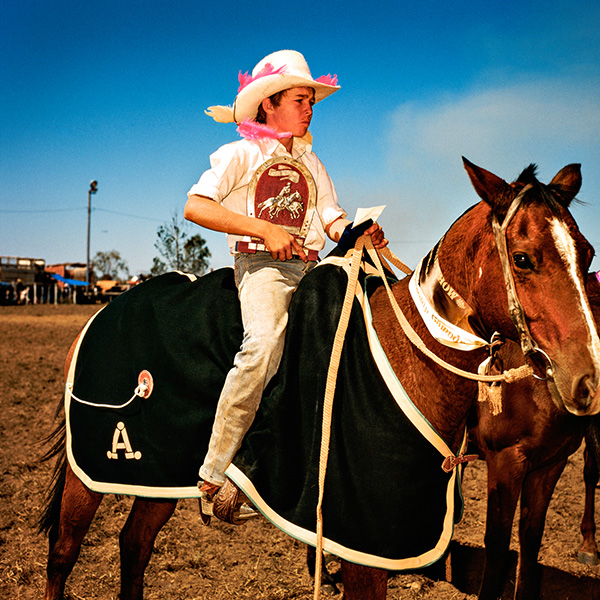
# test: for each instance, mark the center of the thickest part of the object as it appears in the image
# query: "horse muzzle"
(586, 393)
(577, 393)
(583, 399)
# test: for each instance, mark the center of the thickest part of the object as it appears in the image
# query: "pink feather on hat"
(327, 79)
(268, 69)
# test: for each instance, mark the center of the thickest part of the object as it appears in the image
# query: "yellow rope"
(394, 260)
(334, 364)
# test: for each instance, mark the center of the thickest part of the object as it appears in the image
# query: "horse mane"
(528, 175)
(546, 193)
(550, 194)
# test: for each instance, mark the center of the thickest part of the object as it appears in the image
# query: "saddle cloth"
(387, 502)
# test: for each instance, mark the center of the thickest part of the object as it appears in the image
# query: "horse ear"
(489, 187)
(567, 183)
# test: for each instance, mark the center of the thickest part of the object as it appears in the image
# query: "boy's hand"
(377, 236)
(282, 245)
(350, 235)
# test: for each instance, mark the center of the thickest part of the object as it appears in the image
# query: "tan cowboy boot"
(226, 502)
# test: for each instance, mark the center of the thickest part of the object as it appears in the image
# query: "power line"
(41, 210)
(122, 214)
(58, 210)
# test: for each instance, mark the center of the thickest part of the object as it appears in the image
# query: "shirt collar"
(300, 146)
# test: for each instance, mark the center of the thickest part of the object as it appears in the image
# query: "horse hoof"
(588, 558)
(330, 588)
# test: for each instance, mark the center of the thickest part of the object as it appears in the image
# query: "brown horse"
(545, 251)
(526, 447)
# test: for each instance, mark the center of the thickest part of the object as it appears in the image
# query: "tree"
(178, 250)
(109, 265)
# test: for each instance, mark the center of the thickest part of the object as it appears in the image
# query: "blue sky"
(115, 91)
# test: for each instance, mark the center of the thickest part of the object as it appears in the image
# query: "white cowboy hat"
(276, 72)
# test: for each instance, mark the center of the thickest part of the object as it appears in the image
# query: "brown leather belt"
(253, 248)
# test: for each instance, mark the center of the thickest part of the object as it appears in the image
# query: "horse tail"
(49, 517)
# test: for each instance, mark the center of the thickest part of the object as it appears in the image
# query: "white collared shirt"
(233, 166)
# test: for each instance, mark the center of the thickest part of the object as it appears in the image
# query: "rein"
(507, 376)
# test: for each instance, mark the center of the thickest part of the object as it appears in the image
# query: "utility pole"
(93, 189)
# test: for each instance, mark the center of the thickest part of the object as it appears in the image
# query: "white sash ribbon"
(442, 330)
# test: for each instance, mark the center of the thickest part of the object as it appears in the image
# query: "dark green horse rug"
(143, 388)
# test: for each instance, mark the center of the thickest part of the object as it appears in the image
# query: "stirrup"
(207, 494)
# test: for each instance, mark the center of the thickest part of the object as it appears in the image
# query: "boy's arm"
(334, 230)
(210, 214)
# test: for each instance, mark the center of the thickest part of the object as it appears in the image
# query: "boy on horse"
(272, 249)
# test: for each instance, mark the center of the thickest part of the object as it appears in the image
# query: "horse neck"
(443, 398)
(470, 263)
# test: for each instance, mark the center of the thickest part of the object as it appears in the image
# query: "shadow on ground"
(467, 568)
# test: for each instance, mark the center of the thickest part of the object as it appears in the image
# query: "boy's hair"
(261, 115)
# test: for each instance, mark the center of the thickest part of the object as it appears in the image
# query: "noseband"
(515, 308)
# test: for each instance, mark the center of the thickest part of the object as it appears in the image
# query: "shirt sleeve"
(227, 168)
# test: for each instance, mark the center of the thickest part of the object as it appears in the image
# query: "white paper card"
(364, 214)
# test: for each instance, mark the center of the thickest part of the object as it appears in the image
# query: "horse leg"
(588, 553)
(538, 488)
(328, 581)
(78, 507)
(136, 542)
(363, 583)
(506, 471)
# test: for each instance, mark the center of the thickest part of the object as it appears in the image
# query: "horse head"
(527, 252)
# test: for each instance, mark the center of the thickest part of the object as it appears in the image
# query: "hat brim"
(248, 100)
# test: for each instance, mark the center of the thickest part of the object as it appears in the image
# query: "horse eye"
(522, 261)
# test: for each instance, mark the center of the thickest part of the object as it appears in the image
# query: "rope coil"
(143, 390)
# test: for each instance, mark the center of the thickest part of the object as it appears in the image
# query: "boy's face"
(294, 112)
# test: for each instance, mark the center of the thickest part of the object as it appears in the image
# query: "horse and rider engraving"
(285, 200)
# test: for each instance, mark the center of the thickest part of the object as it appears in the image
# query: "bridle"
(515, 308)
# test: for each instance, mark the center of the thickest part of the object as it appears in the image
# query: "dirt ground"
(191, 561)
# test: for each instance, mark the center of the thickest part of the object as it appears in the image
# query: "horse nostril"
(590, 386)
(585, 390)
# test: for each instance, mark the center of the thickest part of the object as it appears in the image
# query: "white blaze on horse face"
(566, 248)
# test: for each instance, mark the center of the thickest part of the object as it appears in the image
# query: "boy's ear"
(267, 105)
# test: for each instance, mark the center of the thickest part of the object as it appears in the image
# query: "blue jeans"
(265, 288)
